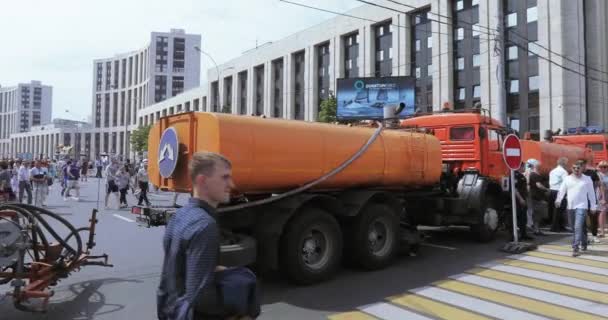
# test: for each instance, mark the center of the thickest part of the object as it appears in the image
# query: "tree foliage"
(328, 110)
(139, 138)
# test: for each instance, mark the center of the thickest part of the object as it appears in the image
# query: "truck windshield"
(595, 146)
(462, 134)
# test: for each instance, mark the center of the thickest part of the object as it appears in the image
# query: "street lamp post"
(217, 71)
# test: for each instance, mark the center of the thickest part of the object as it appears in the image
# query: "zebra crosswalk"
(544, 284)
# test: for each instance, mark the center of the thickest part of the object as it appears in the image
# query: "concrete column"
(596, 46)
(404, 45)
(443, 82)
(267, 88)
(336, 56)
(309, 83)
(366, 51)
(288, 93)
(235, 95)
(250, 91)
(489, 83)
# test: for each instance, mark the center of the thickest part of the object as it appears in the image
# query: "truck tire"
(374, 237)
(311, 247)
(240, 254)
(486, 230)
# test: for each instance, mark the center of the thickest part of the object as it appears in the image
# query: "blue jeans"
(579, 218)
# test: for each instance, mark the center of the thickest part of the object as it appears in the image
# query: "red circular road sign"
(511, 151)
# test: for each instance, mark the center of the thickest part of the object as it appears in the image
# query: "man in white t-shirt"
(556, 178)
(581, 197)
(23, 176)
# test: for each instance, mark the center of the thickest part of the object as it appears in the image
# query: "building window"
(459, 5)
(512, 19)
(477, 92)
(460, 63)
(459, 34)
(532, 14)
(533, 49)
(476, 30)
(383, 45)
(418, 73)
(461, 94)
(476, 60)
(512, 53)
(533, 83)
(351, 54)
(430, 70)
(514, 86)
(474, 3)
(429, 42)
(417, 45)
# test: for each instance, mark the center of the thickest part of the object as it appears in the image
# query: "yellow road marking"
(354, 315)
(557, 247)
(590, 263)
(521, 303)
(556, 270)
(543, 285)
(434, 308)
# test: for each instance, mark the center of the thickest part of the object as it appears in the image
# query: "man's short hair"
(563, 161)
(204, 163)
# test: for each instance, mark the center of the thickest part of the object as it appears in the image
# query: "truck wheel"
(311, 248)
(374, 237)
(486, 230)
(242, 252)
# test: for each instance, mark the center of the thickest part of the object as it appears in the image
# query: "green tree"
(328, 110)
(139, 138)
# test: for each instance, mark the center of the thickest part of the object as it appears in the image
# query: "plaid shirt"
(191, 246)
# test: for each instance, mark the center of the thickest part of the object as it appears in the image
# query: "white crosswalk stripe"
(569, 254)
(387, 311)
(540, 295)
(548, 277)
(560, 264)
(474, 304)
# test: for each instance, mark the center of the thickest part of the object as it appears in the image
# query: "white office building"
(21, 107)
(555, 55)
(127, 83)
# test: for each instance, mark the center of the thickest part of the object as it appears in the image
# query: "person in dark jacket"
(193, 285)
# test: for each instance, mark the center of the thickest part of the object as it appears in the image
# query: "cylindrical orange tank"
(273, 155)
(548, 153)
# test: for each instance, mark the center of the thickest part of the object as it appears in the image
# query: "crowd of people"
(31, 181)
(574, 199)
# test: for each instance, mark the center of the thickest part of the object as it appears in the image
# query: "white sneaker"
(76, 199)
(65, 198)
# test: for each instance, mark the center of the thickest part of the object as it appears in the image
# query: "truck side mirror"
(483, 133)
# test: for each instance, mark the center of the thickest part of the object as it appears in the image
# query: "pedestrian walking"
(556, 178)
(64, 179)
(24, 182)
(112, 187)
(5, 181)
(191, 285)
(122, 180)
(521, 196)
(603, 197)
(538, 195)
(593, 215)
(73, 175)
(39, 181)
(581, 194)
(99, 167)
(84, 171)
(142, 179)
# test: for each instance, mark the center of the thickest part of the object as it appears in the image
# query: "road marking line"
(435, 309)
(556, 268)
(591, 246)
(123, 218)
(437, 246)
(389, 311)
(515, 301)
(570, 259)
(569, 254)
(540, 295)
(446, 304)
(556, 247)
(567, 280)
(354, 315)
(561, 264)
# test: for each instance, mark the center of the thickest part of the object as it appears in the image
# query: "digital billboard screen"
(366, 98)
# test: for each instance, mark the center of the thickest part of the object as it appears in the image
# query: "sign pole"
(514, 207)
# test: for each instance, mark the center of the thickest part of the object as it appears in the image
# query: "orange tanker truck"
(475, 177)
(593, 138)
(345, 184)
(308, 194)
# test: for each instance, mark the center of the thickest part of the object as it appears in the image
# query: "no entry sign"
(511, 152)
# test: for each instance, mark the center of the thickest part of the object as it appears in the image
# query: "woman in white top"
(603, 196)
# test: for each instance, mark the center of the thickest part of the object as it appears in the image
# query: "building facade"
(554, 52)
(21, 107)
(43, 141)
(127, 83)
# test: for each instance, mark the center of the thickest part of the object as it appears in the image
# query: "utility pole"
(499, 51)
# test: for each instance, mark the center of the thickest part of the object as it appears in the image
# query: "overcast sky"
(56, 41)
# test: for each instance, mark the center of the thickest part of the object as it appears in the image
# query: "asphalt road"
(127, 291)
